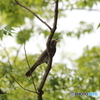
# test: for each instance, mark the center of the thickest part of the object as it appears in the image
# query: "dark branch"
(1, 92)
(33, 14)
(44, 78)
(40, 92)
(55, 16)
(54, 26)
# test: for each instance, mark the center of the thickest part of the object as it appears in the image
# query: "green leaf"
(8, 29)
(3, 97)
(98, 26)
(2, 33)
(9, 34)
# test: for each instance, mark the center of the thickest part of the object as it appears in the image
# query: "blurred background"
(76, 64)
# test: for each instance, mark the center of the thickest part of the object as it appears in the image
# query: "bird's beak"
(56, 40)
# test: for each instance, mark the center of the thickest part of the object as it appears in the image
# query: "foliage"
(89, 69)
(23, 36)
(59, 84)
(7, 30)
(83, 29)
(17, 15)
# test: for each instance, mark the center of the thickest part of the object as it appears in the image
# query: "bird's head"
(54, 42)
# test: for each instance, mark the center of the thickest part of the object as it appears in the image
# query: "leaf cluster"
(83, 28)
(6, 31)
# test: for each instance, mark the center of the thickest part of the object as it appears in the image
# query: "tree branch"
(26, 57)
(33, 14)
(40, 92)
(20, 84)
(7, 55)
(29, 68)
(12, 76)
(55, 17)
(17, 52)
(54, 26)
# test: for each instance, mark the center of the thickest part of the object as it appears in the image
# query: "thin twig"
(7, 55)
(33, 14)
(26, 57)
(29, 68)
(20, 84)
(12, 76)
(17, 54)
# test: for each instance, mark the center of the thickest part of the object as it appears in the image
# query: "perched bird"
(44, 57)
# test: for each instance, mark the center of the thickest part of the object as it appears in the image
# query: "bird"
(44, 57)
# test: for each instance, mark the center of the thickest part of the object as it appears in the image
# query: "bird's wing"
(43, 56)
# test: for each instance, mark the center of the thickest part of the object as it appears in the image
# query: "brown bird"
(43, 57)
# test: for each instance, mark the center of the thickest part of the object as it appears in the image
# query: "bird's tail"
(30, 71)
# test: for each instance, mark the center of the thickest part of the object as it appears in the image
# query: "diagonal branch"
(20, 84)
(33, 14)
